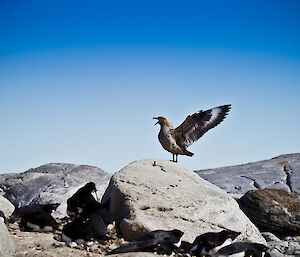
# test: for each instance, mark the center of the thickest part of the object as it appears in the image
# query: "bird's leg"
(176, 157)
(173, 158)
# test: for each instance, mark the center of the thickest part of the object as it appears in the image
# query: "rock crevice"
(255, 184)
(288, 171)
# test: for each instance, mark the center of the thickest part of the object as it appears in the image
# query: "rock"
(6, 206)
(6, 244)
(282, 172)
(286, 246)
(273, 210)
(293, 245)
(51, 183)
(154, 194)
(3, 177)
(270, 237)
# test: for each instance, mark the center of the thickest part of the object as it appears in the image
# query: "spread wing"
(196, 125)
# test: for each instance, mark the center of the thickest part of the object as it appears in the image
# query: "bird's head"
(90, 187)
(163, 121)
(160, 120)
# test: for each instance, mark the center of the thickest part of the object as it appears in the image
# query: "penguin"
(249, 249)
(209, 243)
(88, 226)
(24, 210)
(36, 217)
(84, 201)
(38, 222)
(184, 247)
(159, 241)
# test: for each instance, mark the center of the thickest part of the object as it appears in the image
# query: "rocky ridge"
(281, 172)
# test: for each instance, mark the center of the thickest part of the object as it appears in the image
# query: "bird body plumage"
(194, 127)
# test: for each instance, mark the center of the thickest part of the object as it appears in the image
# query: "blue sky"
(80, 81)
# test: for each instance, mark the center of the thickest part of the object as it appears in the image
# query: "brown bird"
(195, 126)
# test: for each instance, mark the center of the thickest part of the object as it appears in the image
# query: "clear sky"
(80, 81)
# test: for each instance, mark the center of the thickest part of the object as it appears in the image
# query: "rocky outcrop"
(154, 194)
(6, 244)
(273, 210)
(282, 172)
(6, 206)
(52, 183)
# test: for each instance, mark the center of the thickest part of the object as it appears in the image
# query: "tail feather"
(186, 152)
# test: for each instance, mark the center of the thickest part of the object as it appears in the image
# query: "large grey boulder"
(6, 244)
(148, 195)
(273, 210)
(6, 206)
(282, 172)
(51, 183)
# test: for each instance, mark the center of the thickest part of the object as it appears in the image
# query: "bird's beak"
(156, 119)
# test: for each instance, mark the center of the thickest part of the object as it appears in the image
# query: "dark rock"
(52, 183)
(273, 210)
(282, 172)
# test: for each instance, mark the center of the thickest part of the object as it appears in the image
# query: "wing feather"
(196, 125)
